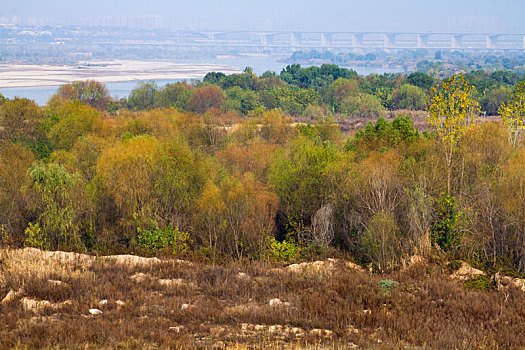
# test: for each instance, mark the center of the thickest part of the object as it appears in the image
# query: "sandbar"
(104, 71)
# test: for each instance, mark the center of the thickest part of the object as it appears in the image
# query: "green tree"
(57, 225)
(409, 97)
(143, 96)
(301, 178)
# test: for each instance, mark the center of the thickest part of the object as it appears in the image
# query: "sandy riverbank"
(105, 71)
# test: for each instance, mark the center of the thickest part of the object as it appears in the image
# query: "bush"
(171, 238)
(286, 250)
(445, 231)
(387, 285)
(58, 225)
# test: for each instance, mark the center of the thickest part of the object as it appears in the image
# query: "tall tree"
(513, 112)
(452, 109)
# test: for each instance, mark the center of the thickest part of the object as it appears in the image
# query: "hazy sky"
(418, 15)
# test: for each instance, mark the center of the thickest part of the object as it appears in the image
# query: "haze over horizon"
(330, 15)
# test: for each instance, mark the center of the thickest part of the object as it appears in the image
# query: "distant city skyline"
(329, 15)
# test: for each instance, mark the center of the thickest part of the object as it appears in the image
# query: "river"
(119, 89)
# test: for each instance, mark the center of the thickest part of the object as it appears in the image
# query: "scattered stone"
(298, 332)
(218, 345)
(120, 303)
(185, 307)
(133, 260)
(102, 302)
(259, 327)
(416, 260)
(275, 302)
(244, 277)
(177, 329)
(139, 277)
(95, 311)
(504, 282)
(11, 296)
(60, 257)
(178, 282)
(39, 305)
(316, 332)
(327, 266)
(466, 272)
(218, 331)
(34, 305)
(352, 330)
(275, 328)
(520, 283)
(367, 312)
(56, 283)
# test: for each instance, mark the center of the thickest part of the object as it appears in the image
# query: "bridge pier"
(456, 41)
(389, 40)
(491, 41)
(357, 39)
(326, 39)
(422, 41)
(297, 39)
(266, 40)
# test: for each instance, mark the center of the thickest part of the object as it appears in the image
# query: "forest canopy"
(224, 168)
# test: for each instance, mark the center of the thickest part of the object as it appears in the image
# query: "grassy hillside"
(152, 303)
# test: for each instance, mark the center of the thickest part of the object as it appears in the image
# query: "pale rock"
(11, 296)
(244, 276)
(185, 307)
(120, 303)
(176, 329)
(139, 277)
(298, 332)
(275, 302)
(275, 328)
(218, 345)
(95, 311)
(34, 305)
(56, 283)
(352, 330)
(316, 332)
(132, 260)
(102, 302)
(39, 305)
(466, 272)
(178, 282)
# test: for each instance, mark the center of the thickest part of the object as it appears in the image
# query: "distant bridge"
(365, 40)
(290, 41)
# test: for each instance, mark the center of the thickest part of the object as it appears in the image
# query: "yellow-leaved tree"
(513, 112)
(452, 109)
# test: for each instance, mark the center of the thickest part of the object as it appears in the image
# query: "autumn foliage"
(234, 178)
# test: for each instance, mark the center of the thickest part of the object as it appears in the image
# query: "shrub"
(286, 250)
(171, 238)
(445, 231)
(58, 225)
(387, 285)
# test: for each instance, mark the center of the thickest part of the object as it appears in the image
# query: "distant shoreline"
(105, 71)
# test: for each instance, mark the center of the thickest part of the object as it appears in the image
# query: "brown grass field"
(179, 304)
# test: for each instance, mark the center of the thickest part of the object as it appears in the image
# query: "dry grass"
(213, 307)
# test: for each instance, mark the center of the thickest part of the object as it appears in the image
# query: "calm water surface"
(41, 94)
